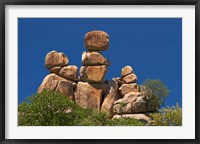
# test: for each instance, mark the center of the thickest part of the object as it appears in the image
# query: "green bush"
(125, 122)
(156, 91)
(168, 116)
(51, 108)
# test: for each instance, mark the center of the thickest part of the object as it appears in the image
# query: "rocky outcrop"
(134, 100)
(121, 96)
(66, 87)
(89, 95)
(90, 92)
(57, 83)
(112, 94)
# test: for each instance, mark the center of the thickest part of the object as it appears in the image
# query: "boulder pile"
(62, 77)
(120, 97)
(91, 88)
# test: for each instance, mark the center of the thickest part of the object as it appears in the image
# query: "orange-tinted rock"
(96, 40)
(131, 78)
(89, 95)
(111, 95)
(57, 83)
(127, 88)
(128, 98)
(49, 82)
(54, 59)
(126, 70)
(55, 70)
(69, 72)
(94, 58)
(93, 73)
(66, 88)
(134, 104)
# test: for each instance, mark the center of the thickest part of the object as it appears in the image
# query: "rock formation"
(62, 77)
(91, 89)
(121, 97)
(134, 100)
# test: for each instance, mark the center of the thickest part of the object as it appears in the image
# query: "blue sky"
(152, 46)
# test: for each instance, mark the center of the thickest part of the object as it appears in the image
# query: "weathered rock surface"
(111, 95)
(57, 83)
(49, 82)
(93, 73)
(141, 117)
(89, 95)
(119, 80)
(94, 58)
(54, 59)
(127, 88)
(69, 72)
(126, 70)
(128, 98)
(55, 70)
(66, 88)
(131, 78)
(96, 40)
(132, 105)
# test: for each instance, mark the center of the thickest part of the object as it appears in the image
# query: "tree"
(46, 108)
(156, 91)
(168, 116)
(51, 108)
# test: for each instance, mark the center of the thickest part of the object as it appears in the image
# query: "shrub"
(168, 116)
(125, 122)
(156, 91)
(51, 108)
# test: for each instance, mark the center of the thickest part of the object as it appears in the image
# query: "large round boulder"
(55, 59)
(96, 40)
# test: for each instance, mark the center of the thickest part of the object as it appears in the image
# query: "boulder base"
(89, 95)
(66, 88)
(56, 83)
(133, 105)
(111, 95)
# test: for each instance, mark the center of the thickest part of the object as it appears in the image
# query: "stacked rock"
(134, 100)
(63, 77)
(95, 65)
(129, 80)
(90, 90)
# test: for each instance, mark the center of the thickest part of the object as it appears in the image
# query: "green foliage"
(125, 122)
(51, 108)
(168, 116)
(46, 108)
(156, 91)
